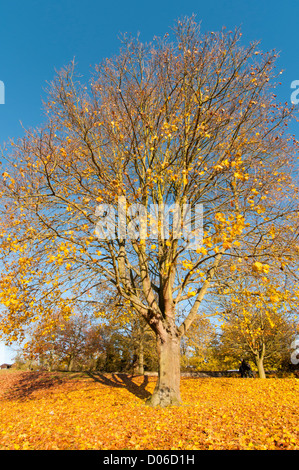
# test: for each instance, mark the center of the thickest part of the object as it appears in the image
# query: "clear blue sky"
(38, 37)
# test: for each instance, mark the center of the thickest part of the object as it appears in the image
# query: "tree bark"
(70, 364)
(167, 390)
(260, 367)
(138, 357)
(259, 360)
(141, 358)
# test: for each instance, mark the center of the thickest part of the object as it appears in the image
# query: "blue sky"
(38, 37)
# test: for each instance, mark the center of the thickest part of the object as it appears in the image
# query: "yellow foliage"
(260, 268)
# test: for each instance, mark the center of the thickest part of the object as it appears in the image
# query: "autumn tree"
(77, 341)
(64, 342)
(186, 122)
(267, 346)
(197, 345)
(259, 314)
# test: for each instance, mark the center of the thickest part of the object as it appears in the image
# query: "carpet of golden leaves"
(42, 410)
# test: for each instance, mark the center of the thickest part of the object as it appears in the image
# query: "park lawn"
(51, 410)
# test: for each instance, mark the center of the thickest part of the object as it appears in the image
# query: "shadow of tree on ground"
(120, 380)
(23, 385)
(27, 383)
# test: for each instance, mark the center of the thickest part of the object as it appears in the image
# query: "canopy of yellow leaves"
(40, 410)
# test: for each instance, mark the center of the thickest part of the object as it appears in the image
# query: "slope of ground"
(42, 410)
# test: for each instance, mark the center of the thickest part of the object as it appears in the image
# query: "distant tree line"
(80, 344)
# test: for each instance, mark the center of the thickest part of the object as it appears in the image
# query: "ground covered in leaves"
(42, 410)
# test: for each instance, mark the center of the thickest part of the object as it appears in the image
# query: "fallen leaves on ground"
(43, 410)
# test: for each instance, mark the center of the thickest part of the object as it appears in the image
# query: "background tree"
(187, 120)
(64, 343)
(267, 346)
(258, 316)
(197, 345)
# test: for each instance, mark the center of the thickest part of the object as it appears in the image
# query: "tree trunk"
(259, 360)
(135, 363)
(260, 367)
(50, 364)
(138, 357)
(167, 390)
(70, 364)
(141, 358)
